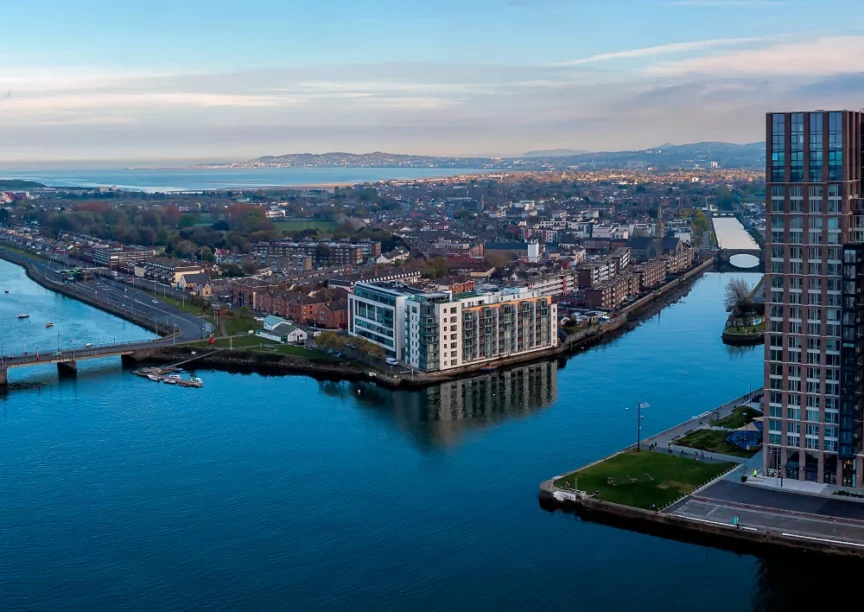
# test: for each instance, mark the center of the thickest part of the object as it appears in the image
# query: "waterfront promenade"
(734, 506)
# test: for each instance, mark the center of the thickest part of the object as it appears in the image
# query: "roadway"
(118, 296)
(122, 296)
(77, 354)
(736, 493)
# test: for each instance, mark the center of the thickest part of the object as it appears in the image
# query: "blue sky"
(215, 79)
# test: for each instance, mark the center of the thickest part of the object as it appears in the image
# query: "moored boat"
(49, 325)
(23, 316)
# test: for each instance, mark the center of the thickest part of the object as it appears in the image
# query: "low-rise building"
(651, 274)
(679, 261)
(611, 294)
(592, 273)
(166, 271)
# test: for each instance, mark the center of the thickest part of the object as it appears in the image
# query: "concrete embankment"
(37, 276)
(239, 360)
(770, 519)
(674, 527)
(738, 339)
(254, 360)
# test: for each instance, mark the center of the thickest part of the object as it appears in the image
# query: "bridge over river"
(734, 240)
(67, 360)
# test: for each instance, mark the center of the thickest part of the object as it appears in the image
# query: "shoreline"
(253, 361)
(66, 291)
(676, 521)
(323, 184)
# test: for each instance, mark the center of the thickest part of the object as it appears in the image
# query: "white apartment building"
(446, 331)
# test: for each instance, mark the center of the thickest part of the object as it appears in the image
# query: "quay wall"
(667, 525)
(37, 277)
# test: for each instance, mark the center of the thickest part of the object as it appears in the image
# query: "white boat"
(153, 377)
(23, 316)
(88, 345)
(169, 381)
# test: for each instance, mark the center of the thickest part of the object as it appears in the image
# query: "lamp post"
(639, 407)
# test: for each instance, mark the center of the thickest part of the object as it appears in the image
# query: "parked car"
(391, 361)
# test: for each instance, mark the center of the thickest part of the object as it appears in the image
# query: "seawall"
(69, 291)
(678, 528)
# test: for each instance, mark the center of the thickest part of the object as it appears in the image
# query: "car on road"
(155, 301)
(391, 361)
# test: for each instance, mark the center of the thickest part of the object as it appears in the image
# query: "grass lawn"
(238, 324)
(256, 344)
(644, 478)
(713, 441)
(741, 416)
(744, 331)
(298, 225)
(186, 306)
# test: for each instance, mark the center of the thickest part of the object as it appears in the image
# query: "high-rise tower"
(814, 347)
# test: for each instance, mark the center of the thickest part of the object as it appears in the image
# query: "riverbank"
(41, 279)
(623, 321)
(397, 378)
(684, 494)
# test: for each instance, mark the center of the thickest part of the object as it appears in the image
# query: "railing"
(84, 352)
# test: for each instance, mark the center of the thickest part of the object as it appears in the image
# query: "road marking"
(690, 518)
(802, 537)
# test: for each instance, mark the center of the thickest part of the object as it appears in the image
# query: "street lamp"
(639, 417)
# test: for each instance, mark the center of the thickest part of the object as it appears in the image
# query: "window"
(835, 146)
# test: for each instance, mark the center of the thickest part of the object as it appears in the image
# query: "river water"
(285, 493)
(194, 179)
(731, 234)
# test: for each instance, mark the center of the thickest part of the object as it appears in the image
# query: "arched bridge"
(67, 360)
(724, 258)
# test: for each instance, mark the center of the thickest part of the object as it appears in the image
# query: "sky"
(217, 80)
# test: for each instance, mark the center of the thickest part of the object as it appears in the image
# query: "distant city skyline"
(220, 81)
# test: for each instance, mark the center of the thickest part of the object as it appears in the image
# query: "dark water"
(192, 179)
(284, 493)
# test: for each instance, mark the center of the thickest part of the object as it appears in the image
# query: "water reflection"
(440, 415)
(800, 582)
(740, 352)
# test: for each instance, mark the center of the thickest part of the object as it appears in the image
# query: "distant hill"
(554, 153)
(18, 185)
(355, 160)
(667, 156)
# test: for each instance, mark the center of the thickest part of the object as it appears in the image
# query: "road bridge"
(67, 360)
(724, 258)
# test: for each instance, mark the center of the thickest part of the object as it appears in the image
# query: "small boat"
(153, 377)
(7, 291)
(47, 325)
(88, 345)
(23, 316)
(169, 381)
(192, 382)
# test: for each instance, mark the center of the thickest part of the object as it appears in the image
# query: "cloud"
(820, 56)
(456, 109)
(669, 49)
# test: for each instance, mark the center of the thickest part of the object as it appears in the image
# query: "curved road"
(117, 296)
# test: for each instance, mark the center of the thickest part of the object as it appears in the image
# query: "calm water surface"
(193, 179)
(284, 493)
